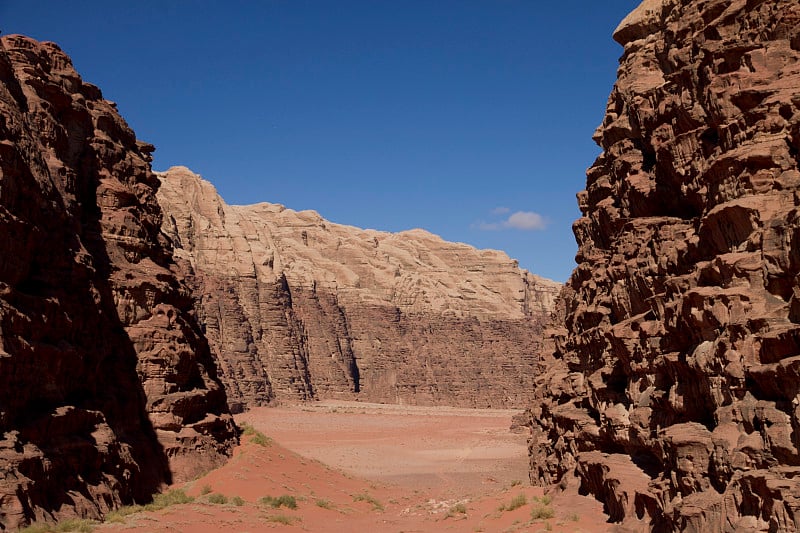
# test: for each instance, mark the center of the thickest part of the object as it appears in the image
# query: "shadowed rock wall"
(674, 391)
(298, 307)
(107, 387)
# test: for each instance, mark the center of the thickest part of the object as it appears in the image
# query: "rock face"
(675, 384)
(107, 387)
(298, 307)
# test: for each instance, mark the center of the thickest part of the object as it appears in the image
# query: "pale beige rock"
(299, 307)
(642, 21)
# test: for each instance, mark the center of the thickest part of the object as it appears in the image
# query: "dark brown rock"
(298, 307)
(107, 387)
(681, 340)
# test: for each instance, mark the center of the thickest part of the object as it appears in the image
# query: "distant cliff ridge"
(296, 307)
(675, 380)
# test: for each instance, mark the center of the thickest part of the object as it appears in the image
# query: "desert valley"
(170, 362)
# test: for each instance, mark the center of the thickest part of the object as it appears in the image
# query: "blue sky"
(471, 119)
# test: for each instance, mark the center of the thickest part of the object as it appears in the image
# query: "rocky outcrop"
(107, 387)
(674, 391)
(298, 307)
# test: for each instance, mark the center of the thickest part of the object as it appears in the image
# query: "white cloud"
(500, 210)
(521, 220)
(526, 220)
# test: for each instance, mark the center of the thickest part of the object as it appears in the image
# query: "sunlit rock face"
(107, 386)
(675, 380)
(297, 307)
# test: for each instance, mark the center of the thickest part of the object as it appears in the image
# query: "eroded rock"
(681, 328)
(107, 387)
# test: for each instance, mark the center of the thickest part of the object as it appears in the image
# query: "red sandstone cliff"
(297, 307)
(107, 387)
(675, 387)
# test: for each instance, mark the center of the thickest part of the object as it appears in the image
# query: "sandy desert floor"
(356, 467)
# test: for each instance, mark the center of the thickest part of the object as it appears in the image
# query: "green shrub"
(285, 500)
(205, 490)
(283, 519)
(78, 525)
(238, 501)
(515, 503)
(364, 497)
(119, 515)
(459, 508)
(256, 437)
(325, 504)
(168, 499)
(219, 499)
(160, 501)
(541, 511)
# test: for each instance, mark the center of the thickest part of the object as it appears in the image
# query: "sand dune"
(365, 467)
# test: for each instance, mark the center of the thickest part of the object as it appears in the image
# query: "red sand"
(420, 467)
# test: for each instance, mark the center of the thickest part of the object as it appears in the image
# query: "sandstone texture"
(297, 307)
(107, 386)
(674, 395)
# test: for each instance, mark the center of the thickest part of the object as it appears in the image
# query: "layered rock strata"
(107, 386)
(675, 387)
(298, 307)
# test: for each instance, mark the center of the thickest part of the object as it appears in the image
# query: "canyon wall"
(675, 380)
(297, 307)
(107, 386)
